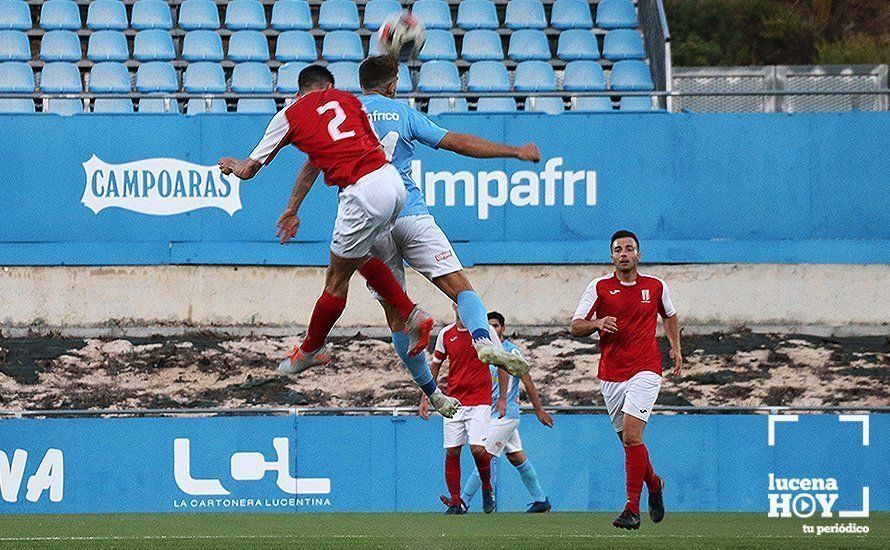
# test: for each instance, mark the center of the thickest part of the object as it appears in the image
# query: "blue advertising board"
(295, 463)
(118, 189)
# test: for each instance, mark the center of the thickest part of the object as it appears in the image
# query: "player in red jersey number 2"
(332, 128)
(623, 308)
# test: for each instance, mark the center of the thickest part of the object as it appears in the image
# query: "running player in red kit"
(623, 308)
(332, 128)
(469, 380)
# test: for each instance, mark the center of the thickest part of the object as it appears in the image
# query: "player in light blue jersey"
(416, 239)
(503, 429)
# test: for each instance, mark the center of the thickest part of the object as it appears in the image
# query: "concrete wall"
(726, 295)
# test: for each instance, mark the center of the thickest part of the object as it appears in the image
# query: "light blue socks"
(530, 479)
(417, 365)
(473, 314)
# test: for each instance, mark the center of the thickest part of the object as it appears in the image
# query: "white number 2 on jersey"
(334, 124)
(389, 143)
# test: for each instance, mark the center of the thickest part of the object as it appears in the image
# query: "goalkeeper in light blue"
(503, 429)
(416, 239)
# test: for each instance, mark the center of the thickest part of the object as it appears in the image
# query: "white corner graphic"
(771, 431)
(864, 418)
(858, 513)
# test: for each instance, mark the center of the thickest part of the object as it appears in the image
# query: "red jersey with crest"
(469, 379)
(332, 128)
(636, 307)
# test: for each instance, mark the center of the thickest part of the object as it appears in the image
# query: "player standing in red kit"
(332, 128)
(623, 308)
(469, 380)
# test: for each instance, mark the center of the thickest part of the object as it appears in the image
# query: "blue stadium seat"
(529, 44)
(251, 78)
(256, 105)
(548, 105)
(525, 14)
(111, 105)
(156, 76)
(636, 104)
(374, 47)
(151, 14)
(338, 15)
(204, 78)
(342, 46)
(198, 14)
(583, 76)
(153, 45)
(571, 14)
(63, 107)
(439, 45)
(16, 77)
(20, 105)
(245, 15)
(435, 14)
(477, 14)
(616, 14)
(158, 105)
(248, 46)
(481, 45)
(107, 15)
(577, 44)
(14, 46)
(60, 78)
(295, 46)
(109, 78)
(496, 105)
(592, 104)
(60, 46)
(623, 44)
(376, 12)
(202, 45)
(291, 15)
(534, 76)
(405, 85)
(438, 76)
(198, 106)
(488, 76)
(59, 15)
(288, 77)
(439, 105)
(345, 76)
(107, 46)
(631, 76)
(14, 15)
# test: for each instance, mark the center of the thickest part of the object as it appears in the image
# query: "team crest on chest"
(645, 295)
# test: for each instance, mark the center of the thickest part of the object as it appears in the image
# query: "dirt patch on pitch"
(207, 370)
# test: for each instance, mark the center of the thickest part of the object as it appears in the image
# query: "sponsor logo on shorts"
(160, 187)
(444, 255)
(644, 411)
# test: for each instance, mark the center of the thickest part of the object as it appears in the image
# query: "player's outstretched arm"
(533, 396)
(583, 327)
(477, 147)
(289, 222)
(672, 329)
(243, 169)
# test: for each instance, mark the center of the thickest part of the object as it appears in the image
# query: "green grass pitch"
(684, 531)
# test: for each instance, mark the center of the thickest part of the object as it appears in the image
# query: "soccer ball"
(402, 36)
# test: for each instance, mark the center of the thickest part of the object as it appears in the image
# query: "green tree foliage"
(778, 32)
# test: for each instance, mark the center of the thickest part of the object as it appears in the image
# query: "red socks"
(483, 466)
(636, 467)
(381, 279)
(327, 310)
(452, 477)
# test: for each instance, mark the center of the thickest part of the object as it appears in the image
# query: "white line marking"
(864, 418)
(771, 426)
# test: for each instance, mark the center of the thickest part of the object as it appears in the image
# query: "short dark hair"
(315, 76)
(376, 71)
(621, 234)
(498, 316)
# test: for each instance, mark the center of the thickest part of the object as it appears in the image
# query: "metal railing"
(412, 411)
(657, 39)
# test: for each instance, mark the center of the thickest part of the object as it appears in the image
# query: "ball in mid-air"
(402, 35)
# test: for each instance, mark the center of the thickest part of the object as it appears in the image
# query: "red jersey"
(636, 307)
(332, 128)
(469, 379)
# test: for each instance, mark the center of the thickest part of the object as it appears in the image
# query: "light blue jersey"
(399, 126)
(512, 386)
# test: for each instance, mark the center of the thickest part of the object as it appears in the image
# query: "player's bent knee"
(453, 284)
